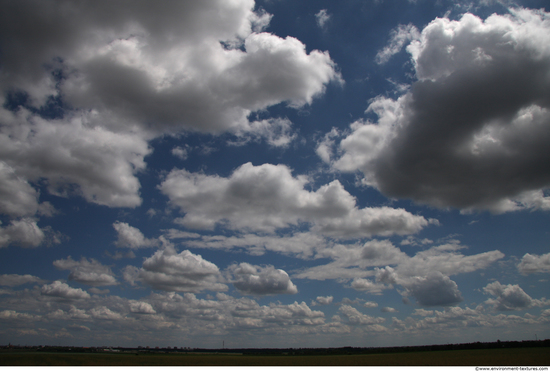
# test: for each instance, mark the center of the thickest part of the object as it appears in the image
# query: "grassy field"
(489, 357)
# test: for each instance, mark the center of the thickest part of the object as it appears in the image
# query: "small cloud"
(180, 153)
(388, 309)
(322, 18)
(370, 304)
(325, 300)
(131, 237)
(257, 280)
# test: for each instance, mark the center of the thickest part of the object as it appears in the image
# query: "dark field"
(535, 356)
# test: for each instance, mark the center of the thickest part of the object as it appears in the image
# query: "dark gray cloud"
(472, 131)
(435, 289)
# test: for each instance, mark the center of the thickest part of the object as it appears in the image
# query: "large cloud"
(352, 260)
(201, 66)
(256, 280)
(268, 197)
(472, 131)
(86, 85)
(425, 276)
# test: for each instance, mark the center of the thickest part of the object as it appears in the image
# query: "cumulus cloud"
(434, 289)
(24, 233)
(355, 317)
(141, 307)
(103, 312)
(131, 237)
(324, 300)
(64, 291)
(114, 63)
(256, 280)
(76, 155)
(471, 132)
(269, 197)
(168, 270)
(90, 272)
(532, 263)
(82, 100)
(424, 276)
(510, 297)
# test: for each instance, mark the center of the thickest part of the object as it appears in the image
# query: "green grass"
(536, 356)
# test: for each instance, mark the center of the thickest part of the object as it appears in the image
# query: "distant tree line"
(347, 350)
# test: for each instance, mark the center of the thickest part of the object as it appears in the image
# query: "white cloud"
(324, 300)
(131, 237)
(180, 152)
(353, 260)
(370, 304)
(398, 38)
(365, 285)
(354, 317)
(424, 276)
(473, 121)
(17, 197)
(322, 17)
(262, 281)
(24, 233)
(510, 297)
(275, 131)
(74, 151)
(103, 312)
(90, 272)
(532, 263)
(127, 74)
(168, 270)
(114, 63)
(64, 291)
(388, 309)
(141, 307)
(268, 197)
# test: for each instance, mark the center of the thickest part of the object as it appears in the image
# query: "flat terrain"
(528, 356)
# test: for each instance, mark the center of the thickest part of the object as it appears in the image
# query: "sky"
(277, 174)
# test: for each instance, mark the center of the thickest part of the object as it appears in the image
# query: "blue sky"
(274, 173)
